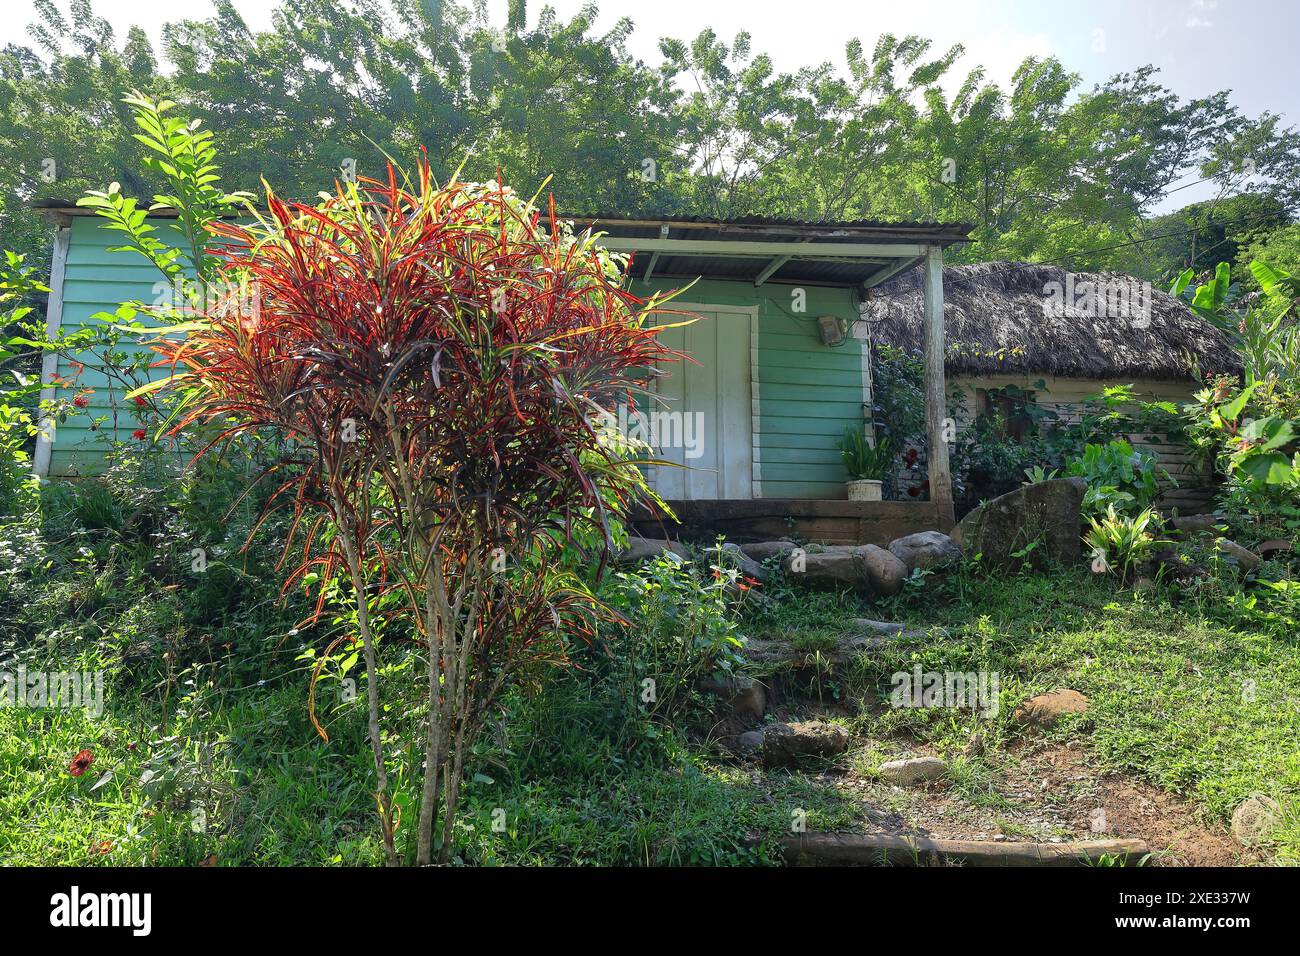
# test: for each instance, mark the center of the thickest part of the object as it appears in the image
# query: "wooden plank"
(824, 521)
(834, 251)
(885, 849)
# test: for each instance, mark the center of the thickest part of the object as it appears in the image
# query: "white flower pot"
(865, 489)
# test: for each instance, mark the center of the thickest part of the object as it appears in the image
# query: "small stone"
(914, 770)
(1045, 709)
(750, 741)
(1254, 821)
(784, 744)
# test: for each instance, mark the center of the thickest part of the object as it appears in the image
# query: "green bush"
(1119, 478)
(680, 627)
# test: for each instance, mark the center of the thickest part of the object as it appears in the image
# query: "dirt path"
(1044, 791)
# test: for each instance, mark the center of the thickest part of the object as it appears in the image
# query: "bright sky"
(1248, 46)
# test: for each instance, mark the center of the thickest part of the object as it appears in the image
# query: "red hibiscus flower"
(81, 762)
(139, 434)
(139, 401)
(81, 401)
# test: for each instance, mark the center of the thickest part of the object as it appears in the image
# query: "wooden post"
(935, 401)
(44, 449)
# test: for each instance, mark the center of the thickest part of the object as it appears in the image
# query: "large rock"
(827, 570)
(1046, 512)
(869, 568)
(884, 571)
(743, 697)
(762, 550)
(924, 549)
(780, 653)
(1178, 566)
(1045, 709)
(1246, 559)
(890, 629)
(914, 770)
(1192, 525)
(1266, 549)
(641, 549)
(1256, 819)
(784, 744)
(748, 566)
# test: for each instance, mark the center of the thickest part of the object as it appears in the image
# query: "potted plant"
(866, 463)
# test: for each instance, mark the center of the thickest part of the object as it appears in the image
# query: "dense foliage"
(1043, 168)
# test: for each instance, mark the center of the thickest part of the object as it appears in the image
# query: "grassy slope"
(1202, 707)
(580, 783)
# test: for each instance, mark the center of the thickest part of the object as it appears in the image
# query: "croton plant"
(435, 360)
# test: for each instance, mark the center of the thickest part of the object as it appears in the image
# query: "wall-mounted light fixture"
(834, 330)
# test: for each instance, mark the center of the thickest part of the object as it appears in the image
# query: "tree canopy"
(1045, 169)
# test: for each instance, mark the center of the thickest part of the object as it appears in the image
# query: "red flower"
(139, 401)
(80, 762)
(81, 401)
(100, 848)
(913, 491)
(139, 434)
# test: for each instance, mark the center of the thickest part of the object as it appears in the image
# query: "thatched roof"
(1020, 317)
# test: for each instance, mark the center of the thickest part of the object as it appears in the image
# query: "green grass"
(271, 792)
(1184, 696)
(209, 752)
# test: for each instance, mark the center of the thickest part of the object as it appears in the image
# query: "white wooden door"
(705, 423)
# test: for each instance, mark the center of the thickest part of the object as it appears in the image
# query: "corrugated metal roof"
(851, 229)
(850, 270)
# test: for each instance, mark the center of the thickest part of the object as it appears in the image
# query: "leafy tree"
(63, 127)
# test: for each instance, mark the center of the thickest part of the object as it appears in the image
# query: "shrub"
(681, 627)
(863, 460)
(1118, 477)
(432, 359)
(1251, 428)
(1122, 543)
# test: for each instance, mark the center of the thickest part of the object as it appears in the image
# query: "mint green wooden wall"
(96, 280)
(808, 392)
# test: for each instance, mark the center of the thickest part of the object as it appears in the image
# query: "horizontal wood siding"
(1193, 487)
(96, 281)
(808, 392)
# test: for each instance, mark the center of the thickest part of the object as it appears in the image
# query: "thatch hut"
(1057, 337)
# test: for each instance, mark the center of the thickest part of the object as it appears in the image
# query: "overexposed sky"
(1200, 46)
